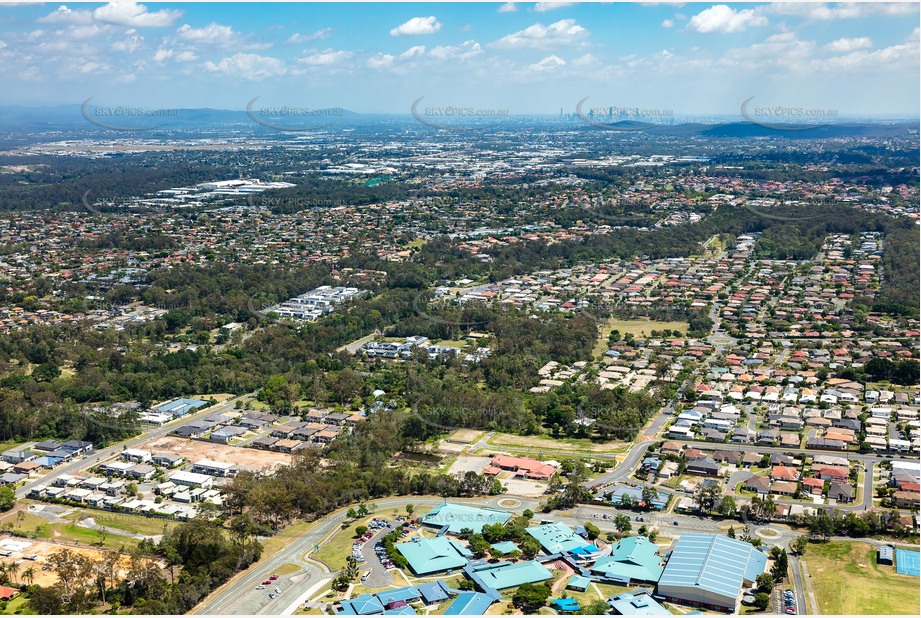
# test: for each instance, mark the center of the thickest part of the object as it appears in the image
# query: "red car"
(274, 577)
(266, 583)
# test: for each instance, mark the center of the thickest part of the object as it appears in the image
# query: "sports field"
(847, 580)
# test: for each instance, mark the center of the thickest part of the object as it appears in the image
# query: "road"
(77, 465)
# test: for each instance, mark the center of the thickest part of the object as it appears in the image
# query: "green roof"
(634, 558)
(432, 555)
(578, 582)
(511, 575)
(458, 516)
(557, 537)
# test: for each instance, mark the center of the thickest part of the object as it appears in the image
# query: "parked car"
(266, 582)
(260, 587)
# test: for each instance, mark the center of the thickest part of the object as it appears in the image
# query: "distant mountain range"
(92, 117)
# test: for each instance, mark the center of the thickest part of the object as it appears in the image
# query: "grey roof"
(713, 563)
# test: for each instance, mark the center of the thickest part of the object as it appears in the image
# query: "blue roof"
(556, 537)
(505, 547)
(432, 592)
(180, 406)
(406, 593)
(511, 575)
(362, 605)
(459, 516)
(578, 582)
(566, 605)
(469, 604)
(712, 563)
(637, 603)
(634, 558)
(432, 555)
(636, 494)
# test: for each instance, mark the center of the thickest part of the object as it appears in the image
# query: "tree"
(799, 544)
(705, 497)
(622, 524)
(765, 582)
(649, 495)
(595, 608)
(731, 533)
(592, 531)
(779, 570)
(360, 530)
(727, 506)
(762, 599)
(530, 597)
(410, 509)
(528, 514)
(7, 498)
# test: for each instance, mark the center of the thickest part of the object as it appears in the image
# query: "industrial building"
(709, 571)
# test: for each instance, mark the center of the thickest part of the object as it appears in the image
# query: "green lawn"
(18, 606)
(339, 547)
(847, 580)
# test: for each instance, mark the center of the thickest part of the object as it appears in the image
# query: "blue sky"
(528, 58)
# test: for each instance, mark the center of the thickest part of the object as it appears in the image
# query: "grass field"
(559, 445)
(334, 552)
(847, 580)
(638, 328)
(68, 530)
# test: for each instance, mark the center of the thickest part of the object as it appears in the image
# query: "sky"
(686, 59)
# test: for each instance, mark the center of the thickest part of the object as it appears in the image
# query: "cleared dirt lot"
(193, 450)
(23, 549)
(466, 463)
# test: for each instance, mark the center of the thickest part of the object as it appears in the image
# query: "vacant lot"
(847, 580)
(24, 549)
(193, 450)
(468, 463)
(537, 444)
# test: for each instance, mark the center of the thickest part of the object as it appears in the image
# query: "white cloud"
(543, 7)
(326, 58)
(380, 61)
(92, 67)
(248, 66)
(841, 10)
(64, 15)
(901, 58)
(721, 18)
(668, 23)
(186, 56)
(563, 32)
(464, 51)
(297, 37)
(548, 64)
(128, 13)
(417, 25)
(415, 50)
(162, 55)
(848, 45)
(212, 34)
(130, 43)
(508, 7)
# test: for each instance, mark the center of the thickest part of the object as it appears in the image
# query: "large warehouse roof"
(712, 563)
